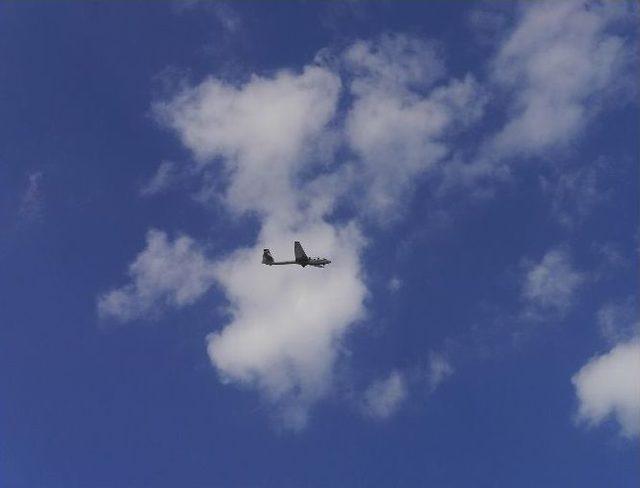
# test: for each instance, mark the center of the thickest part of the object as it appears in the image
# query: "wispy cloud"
(384, 397)
(397, 125)
(164, 274)
(575, 193)
(618, 320)
(488, 23)
(31, 205)
(553, 70)
(558, 61)
(222, 12)
(439, 370)
(161, 180)
(550, 285)
(394, 284)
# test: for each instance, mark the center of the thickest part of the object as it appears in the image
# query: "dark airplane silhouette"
(301, 258)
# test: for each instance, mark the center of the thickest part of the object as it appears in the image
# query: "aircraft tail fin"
(299, 252)
(267, 258)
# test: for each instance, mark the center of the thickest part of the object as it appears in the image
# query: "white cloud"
(287, 323)
(165, 273)
(263, 133)
(553, 72)
(558, 62)
(384, 397)
(439, 370)
(161, 179)
(398, 125)
(608, 387)
(551, 284)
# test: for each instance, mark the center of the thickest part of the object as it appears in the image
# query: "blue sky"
(470, 168)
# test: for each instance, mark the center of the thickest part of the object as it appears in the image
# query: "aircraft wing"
(299, 252)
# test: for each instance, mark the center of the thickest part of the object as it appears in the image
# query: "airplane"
(301, 258)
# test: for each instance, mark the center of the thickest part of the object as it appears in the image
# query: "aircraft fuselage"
(308, 262)
(301, 258)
